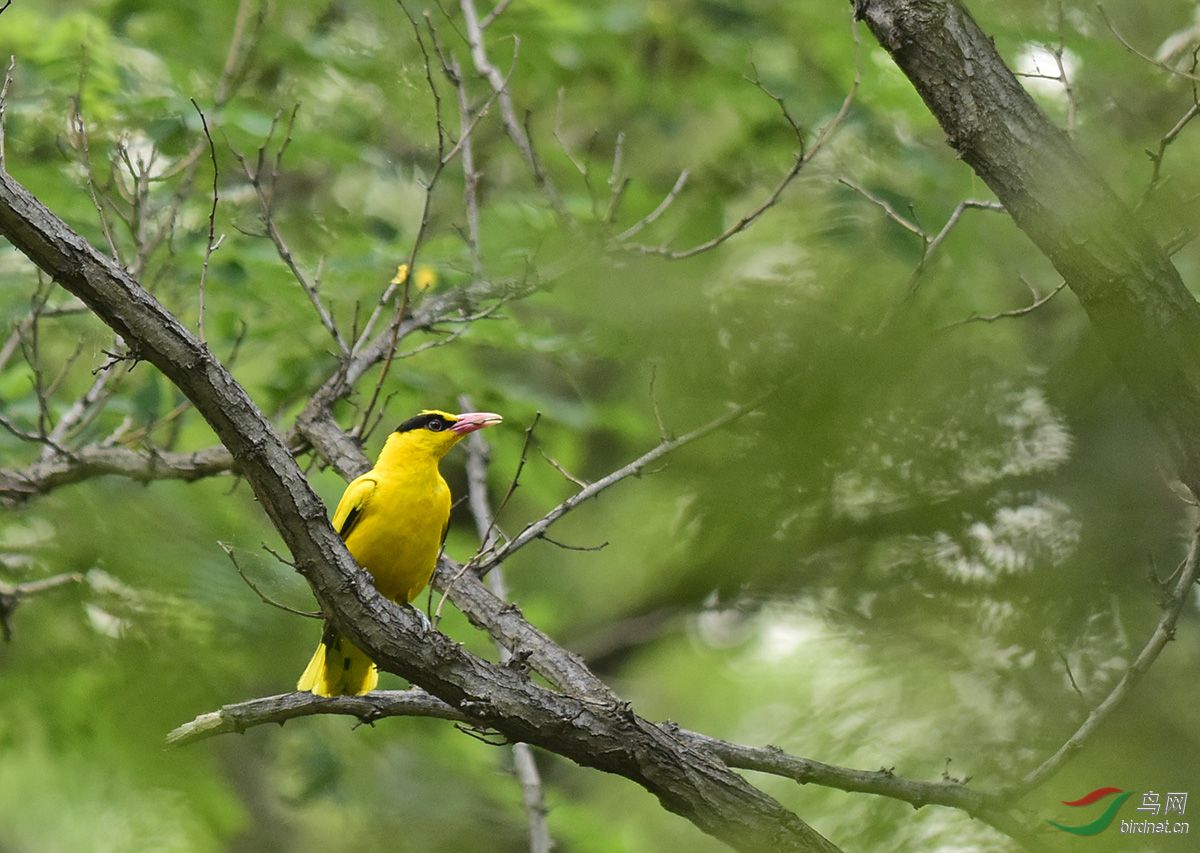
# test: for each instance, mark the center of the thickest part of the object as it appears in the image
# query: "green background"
(886, 566)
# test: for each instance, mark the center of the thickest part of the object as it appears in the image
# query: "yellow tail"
(339, 668)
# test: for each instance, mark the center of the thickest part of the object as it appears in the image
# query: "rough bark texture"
(605, 735)
(1147, 320)
(414, 702)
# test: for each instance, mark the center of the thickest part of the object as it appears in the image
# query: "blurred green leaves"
(887, 565)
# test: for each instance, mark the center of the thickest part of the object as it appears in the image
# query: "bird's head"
(434, 432)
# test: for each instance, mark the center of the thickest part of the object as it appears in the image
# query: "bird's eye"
(436, 425)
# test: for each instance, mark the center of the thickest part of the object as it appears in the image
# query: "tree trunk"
(1146, 319)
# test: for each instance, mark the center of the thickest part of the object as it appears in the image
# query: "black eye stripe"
(434, 423)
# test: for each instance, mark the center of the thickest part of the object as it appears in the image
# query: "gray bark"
(604, 735)
(1144, 316)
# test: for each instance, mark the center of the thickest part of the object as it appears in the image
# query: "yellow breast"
(399, 534)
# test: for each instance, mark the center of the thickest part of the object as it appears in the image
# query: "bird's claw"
(426, 625)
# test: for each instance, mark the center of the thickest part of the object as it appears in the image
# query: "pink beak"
(471, 421)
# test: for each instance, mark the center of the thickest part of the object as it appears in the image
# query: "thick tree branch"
(19, 485)
(601, 735)
(241, 716)
(1147, 320)
(1145, 317)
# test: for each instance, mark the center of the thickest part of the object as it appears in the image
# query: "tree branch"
(287, 706)
(1144, 316)
(1164, 632)
(1038, 302)
(771, 760)
(804, 155)
(601, 735)
(19, 485)
(538, 528)
(524, 763)
(11, 596)
(508, 114)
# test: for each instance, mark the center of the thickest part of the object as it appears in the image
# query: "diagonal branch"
(769, 759)
(1164, 632)
(804, 155)
(537, 529)
(1143, 314)
(605, 736)
(508, 113)
(929, 242)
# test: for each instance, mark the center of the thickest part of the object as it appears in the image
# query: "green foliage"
(886, 566)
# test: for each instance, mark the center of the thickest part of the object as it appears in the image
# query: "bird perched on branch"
(393, 520)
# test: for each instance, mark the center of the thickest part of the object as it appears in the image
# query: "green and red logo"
(1102, 822)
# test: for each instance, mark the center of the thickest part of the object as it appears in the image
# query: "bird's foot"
(426, 625)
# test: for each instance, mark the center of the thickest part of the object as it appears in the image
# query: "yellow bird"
(393, 520)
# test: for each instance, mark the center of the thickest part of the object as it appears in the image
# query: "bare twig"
(470, 175)
(263, 179)
(1156, 157)
(557, 466)
(213, 243)
(79, 126)
(803, 157)
(538, 528)
(1038, 302)
(81, 408)
(1068, 87)
(617, 183)
(262, 596)
(12, 63)
(508, 114)
(490, 18)
(1071, 677)
(545, 537)
(649, 219)
(1164, 632)
(11, 596)
(21, 329)
(664, 434)
(524, 763)
(929, 242)
(1139, 54)
(884, 205)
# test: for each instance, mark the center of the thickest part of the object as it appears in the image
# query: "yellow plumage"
(393, 520)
